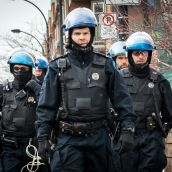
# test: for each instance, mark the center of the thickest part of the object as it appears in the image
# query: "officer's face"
(139, 56)
(122, 61)
(81, 36)
(39, 72)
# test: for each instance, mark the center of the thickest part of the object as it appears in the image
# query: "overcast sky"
(16, 14)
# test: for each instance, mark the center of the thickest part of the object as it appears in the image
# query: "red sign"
(108, 19)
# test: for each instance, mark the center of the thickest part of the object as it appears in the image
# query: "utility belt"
(14, 142)
(80, 128)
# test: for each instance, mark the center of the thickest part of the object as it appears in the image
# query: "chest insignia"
(150, 84)
(31, 100)
(95, 76)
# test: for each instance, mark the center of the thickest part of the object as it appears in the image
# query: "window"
(98, 7)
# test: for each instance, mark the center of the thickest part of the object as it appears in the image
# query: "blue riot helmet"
(139, 41)
(79, 18)
(41, 63)
(117, 49)
(17, 62)
(41, 68)
(21, 58)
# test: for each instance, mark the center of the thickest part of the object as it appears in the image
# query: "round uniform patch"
(95, 76)
(31, 100)
(150, 84)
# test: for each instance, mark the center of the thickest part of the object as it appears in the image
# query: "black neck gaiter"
(21, 78)
(18, 85)
(81, 51)
(139, 72)
(82, 54)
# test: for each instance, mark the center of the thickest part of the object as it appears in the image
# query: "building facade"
(116, 21)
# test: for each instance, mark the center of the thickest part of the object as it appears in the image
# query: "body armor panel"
(18, 113)
(141, 91)
(85, 90)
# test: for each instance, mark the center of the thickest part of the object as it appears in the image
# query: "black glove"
(44, 149)
(34, 86)
(126, 140)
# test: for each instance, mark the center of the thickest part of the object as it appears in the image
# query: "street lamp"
(20, 31)
(47, 28)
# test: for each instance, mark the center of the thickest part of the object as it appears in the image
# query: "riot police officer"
(18, 105)
(78, 85)
(118, 54)
(41, 68)
(152, 95)
(120, 60)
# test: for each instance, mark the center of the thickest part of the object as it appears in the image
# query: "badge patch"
(31, 100)
(150, 84)
(95, 76)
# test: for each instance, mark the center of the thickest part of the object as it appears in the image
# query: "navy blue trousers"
(148, 154)
(91, 153)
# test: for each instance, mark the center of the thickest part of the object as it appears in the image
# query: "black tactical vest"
(141, 91)
(18, 112)
(85, 90)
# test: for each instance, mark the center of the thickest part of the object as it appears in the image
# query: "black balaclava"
(21, 78)
(81, 52)
(139, 70)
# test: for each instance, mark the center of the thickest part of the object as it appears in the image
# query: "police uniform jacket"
(18, 107)
(151, 95)
(83, 79)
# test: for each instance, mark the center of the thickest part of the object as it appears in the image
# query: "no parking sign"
(108, 19)
(108, 26)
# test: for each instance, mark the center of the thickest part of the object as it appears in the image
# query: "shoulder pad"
(63, 61)
(99, 60)
(154, 75)
(100, 54)
(64, 56)
(125, 73)
(7, 85)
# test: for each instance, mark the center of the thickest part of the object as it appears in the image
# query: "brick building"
(129, 18)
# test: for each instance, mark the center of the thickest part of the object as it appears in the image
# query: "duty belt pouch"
(21, 94)
(150, 123)
(83, 103)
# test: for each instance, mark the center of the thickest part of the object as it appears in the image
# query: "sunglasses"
(137, 53)
(21, 69)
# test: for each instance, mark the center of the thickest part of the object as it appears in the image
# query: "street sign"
(123, 2)
(108, 26)
(108, 19)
